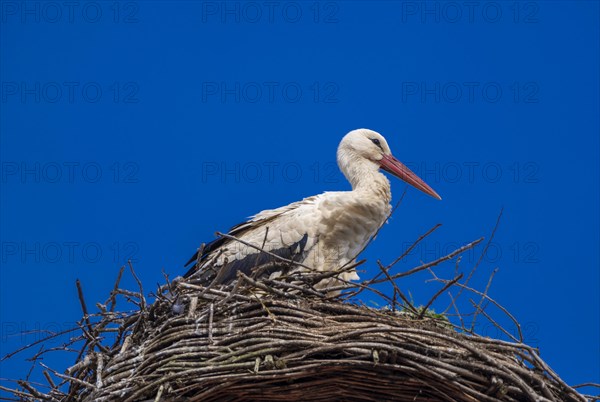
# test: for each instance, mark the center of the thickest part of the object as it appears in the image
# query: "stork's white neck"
(364, 176)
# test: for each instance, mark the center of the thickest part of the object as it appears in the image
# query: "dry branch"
(281, 340)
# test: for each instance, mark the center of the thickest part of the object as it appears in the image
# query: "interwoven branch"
(281, 340)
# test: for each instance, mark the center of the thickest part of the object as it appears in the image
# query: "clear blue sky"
(138, 129)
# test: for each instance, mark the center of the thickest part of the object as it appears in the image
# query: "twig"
(142, 298)
(462, 323)
(264, 251)
(586, 384)
(484, 251)
(482, 311)
(504, 310)
(434, 263)
(83, 306)
(487, 287)
(68, 378)
(34, 391)
(113, 295)
(264, 287)
(54, 335)
(412, 246)
(397, 290)
(49, 379)
(159, 393)
(210, 322)
(437, 294)
(21, 394)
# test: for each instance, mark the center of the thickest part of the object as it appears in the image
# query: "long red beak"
(397, 168)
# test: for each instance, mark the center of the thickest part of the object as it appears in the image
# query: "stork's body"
(323, 232)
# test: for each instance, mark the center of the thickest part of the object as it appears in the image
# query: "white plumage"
(324, 232)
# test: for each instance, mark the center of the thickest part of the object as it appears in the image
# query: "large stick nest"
(266, 340)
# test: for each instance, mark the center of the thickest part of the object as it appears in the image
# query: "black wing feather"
(238, 230)
(208, 248)
(260, 259)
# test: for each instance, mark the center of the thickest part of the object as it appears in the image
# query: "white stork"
(325, 231)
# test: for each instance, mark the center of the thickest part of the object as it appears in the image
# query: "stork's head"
(363, 146)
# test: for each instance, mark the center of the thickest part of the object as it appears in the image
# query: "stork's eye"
(376, 142)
